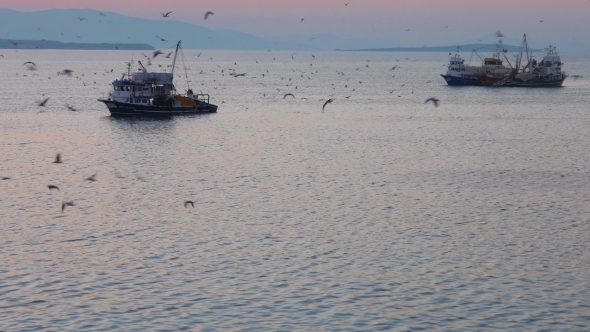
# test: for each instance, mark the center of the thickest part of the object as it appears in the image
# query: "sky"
(430, 22)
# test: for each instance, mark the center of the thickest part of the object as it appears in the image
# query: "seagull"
(302, 19)
(162, 39)
(329, 101)
(576, 77)
(57, 159)
(52, 187)
(168, 56)
(5, 178)
(207, 14)
(187, 203)
(433, 100)
(71, 108)
(66, 72)
(346, 4)
(166, 15)
(499, 34)
(91, 178)
(81, 18)
(30, 65)
(64, 204)
(156, 53)
(43, 103)
(13, 43)
(288, 94)
(101, 14)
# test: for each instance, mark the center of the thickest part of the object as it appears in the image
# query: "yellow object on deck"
(185, 102)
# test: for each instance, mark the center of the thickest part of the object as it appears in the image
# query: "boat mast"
(174, 60)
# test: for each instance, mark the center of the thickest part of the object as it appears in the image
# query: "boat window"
(144, 101)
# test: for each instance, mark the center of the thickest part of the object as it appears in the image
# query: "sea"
(377, 212)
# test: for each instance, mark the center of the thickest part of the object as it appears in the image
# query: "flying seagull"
(329, 101)
(81, 18)
(64, 204)
(433, 100)
(52, 187)
(166, 15)
(168, 56)
(67, 72)
(156, 53)
(288, 94)
(499, 34)
(187, 203)
(91, 178)
(162, 39)
(71, 108)
(43, 103)
(207, 14)
(29, 62)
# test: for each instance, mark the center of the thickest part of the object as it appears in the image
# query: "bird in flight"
(187, 203)
(81, 18)
(64, 204)
(166, 15)
(101, 14)
(43, 103)
(302, 19)
(91, 178)
(499, 34)
(29, 62)
(207, 14)
(329, 101)
(57, 159)
(53, 187)
(156, 53)
(433, 100)
(162, 39)
(288, 94)
(168, 56)
(346, 4)
(66, 72)
(71, 108)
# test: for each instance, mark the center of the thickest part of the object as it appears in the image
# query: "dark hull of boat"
(532, 84)
(461, 81)
(126, 109)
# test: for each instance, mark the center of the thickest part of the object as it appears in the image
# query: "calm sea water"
(380, 213)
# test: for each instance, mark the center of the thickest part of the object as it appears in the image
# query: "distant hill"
(56, 45)
(64, 25)
(464, 48)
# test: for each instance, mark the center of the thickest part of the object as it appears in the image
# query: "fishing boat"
(459, 74)
(546, 73)
(150, 94)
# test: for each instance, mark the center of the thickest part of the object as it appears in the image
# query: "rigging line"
(184, 66)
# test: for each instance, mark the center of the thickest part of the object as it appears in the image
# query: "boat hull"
(532, 84)
(461, 81)
(127, 109)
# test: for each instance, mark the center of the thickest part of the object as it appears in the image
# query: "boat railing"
(203, 97)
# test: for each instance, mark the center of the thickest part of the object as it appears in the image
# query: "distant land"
(464, 48)
(57, 45)
(108, 28)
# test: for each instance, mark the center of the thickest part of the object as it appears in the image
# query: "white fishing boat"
(145, 93)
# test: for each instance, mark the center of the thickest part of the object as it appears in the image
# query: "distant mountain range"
(56, 45)
(82, 28)
(464, 48)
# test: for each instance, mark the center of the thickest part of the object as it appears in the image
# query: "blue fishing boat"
(151, 94)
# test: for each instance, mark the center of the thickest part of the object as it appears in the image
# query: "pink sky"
(384, 19)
